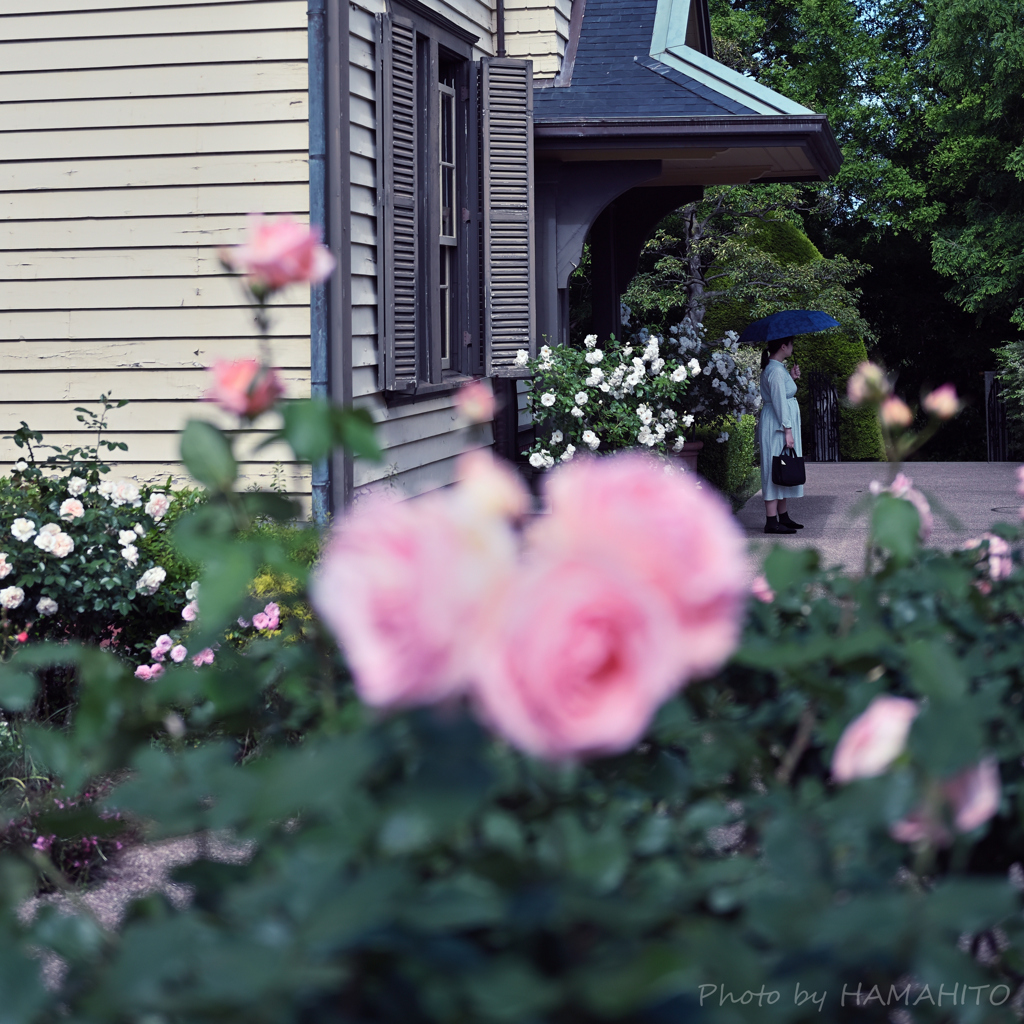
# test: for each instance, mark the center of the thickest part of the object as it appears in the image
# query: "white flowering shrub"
(730, 383)
(609, 396)
(75, 551)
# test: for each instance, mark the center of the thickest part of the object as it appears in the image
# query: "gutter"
(318, 325)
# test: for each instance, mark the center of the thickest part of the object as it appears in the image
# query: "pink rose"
(261, 621)
(942, 402)
(156, 654)
(971, 796)
(475, 402)
(868, 383)
(661, 529)
(204, 657)
(575, 660)
(760, 589)
(190, 611)
(71, 508)
(156, 671)
(279, 252)
(163, 643)
(895, 412)
(245, 387)
(873, 740)
(179, 653)
(272, 616)
(244, 623)
(974, 795)
(401, 585)
(999, 557)
(142, 672)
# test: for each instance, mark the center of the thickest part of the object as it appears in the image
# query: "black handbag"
(788, 469)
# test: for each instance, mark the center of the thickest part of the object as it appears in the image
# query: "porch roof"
(639, 83)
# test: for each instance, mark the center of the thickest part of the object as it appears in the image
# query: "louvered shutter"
(398, 274)
(506, 157)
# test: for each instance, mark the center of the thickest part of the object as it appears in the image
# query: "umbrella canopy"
(786, 324)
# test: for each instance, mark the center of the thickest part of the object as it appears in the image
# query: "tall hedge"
(729, 465)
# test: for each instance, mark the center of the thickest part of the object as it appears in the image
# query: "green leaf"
(207, 454)
(358, 433)
(896, 526)
(225, 585)
(17, 689)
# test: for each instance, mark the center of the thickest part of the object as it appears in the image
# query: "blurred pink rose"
(971, 797)
(402, 584)
(190, 611)
(156, 671)
(868, 383)
(623, 511)
(903, 487)
(999, 557)
(974, 795)
(163, 643)
(178, 653)
(760, 589)
(895, 412)
(279, 252)
(489, 487)
(873, 740)
(204, 657)
(244, 387)
(575, 660)
(142, 672)
(475, 402)
(942, 402)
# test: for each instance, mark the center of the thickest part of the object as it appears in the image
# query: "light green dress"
(779, 409)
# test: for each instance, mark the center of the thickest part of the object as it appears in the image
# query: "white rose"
(192, 592)
(126, 537)
(130, 553)
(644, 436)
(11, 597)
(556, 437)
(545, 352)
(644, 414)
(62, 545)
(522, 357)
(71, 508)
(46, 606)
(595, 378)
(76, 486)
(5, 567)
(20, 466)
(157, 506)
(149, 582)
(23, 529)
(694, 366)
(581, 398)
(44, 541)
(537, 460)
(577, 412)
(657, 365)
(687, 420)
(126, 492)
(547, 399)
(570, 451)
(591, 440)
(678, 374)
(594, 357)
(590, 340)
(106, 489)
(140, 530)
(678, 446)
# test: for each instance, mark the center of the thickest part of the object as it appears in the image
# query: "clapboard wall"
(538, 31)
(134, 138)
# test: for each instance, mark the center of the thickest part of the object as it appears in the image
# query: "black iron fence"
(824, 417)
(995, 420)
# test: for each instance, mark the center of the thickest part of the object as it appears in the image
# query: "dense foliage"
(727, 460)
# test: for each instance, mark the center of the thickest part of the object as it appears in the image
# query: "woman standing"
(778, 427)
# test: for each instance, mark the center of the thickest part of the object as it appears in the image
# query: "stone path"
(966, 497)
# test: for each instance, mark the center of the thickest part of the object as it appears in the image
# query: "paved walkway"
(966, 497)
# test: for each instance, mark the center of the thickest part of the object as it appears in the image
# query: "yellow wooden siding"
(133, 142)
(538, 31)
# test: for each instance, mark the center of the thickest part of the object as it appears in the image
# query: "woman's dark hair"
(773, 346)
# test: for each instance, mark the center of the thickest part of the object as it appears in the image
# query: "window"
(456, 186)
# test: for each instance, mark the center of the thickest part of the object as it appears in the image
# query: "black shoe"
(786, 521)
(772, 525)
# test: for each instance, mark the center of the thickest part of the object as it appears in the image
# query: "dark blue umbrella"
(785, 325)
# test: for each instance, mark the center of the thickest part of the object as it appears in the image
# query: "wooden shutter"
(506, 158)
(398, 275)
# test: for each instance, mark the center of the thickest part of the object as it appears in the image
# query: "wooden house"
(457, 152)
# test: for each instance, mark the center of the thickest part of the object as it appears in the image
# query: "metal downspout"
(319, 342)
